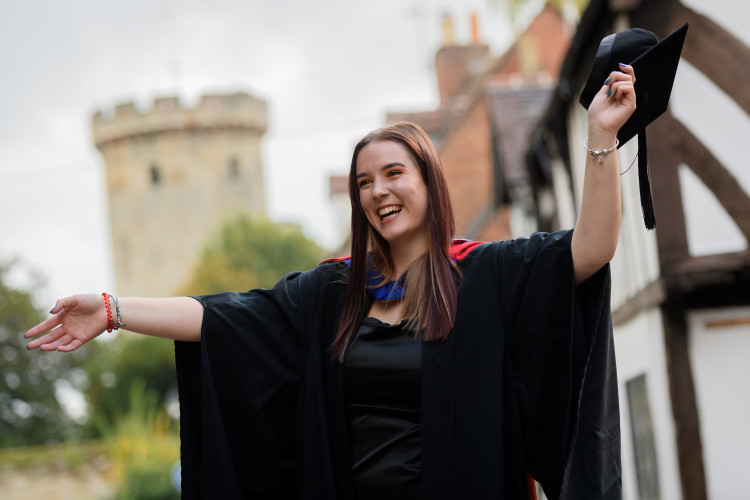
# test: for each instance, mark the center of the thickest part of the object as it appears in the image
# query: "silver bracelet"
(599, 152)
(119, 323)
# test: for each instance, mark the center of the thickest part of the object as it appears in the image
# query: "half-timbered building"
(681, 293)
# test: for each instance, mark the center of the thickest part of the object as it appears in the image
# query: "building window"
(644, 450)
(155, 175)
(234, 168)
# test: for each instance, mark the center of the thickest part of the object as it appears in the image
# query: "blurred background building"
(174, 175)
(488, 105)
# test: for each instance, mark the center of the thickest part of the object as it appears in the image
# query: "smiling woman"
(395, 181)
(419, 367)
(394, 198)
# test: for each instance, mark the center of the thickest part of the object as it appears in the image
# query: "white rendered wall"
(639, 345)
(732, 15)
(710, 229)
(721, 372)
(724, 128)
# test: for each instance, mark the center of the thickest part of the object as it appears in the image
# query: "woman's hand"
(612, 105)
(75, 320)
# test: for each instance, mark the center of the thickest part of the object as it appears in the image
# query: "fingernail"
(609, 79)
(50, 311)
(609, 92)
(623, 65)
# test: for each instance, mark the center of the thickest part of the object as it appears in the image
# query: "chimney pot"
(448, 37)
(474, 29)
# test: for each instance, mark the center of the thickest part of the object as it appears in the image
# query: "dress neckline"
(373, 321)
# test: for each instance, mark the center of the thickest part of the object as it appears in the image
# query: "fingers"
(63, 341)
(626, 68)
(56, 340)
(57, 312)
(52, 336)
(72, 346)
(620, 89)
(50, 322)
(46, 325)
(58, 306)
(618, 79)
(65, 303)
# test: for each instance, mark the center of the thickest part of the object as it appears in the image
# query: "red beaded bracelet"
(110, 322)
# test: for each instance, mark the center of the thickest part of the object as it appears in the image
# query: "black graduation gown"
(525, 382)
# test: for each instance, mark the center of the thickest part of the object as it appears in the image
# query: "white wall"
(724, 128)
(639, 346)
(732, 15)
(721, 372)
(710, 229)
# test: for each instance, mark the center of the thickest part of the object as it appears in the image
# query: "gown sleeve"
(239, 389)
(561, 351)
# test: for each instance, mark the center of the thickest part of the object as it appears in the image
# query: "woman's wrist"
(601, 139)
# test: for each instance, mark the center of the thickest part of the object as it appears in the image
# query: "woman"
(418, 366)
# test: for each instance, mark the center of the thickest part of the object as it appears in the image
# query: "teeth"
(388, 210)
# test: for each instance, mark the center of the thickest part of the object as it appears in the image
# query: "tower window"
(155, 175)
(234, 168)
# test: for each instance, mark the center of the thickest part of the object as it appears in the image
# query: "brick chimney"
(457, 64)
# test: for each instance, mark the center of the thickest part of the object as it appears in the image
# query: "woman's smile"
(389, 212)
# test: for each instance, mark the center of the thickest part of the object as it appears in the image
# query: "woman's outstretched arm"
(76, 320)
(598, 226)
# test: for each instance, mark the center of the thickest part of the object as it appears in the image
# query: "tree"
(244, 254)
(30, 412)
(119, 366)
(251, 253)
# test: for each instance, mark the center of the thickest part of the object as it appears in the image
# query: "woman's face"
(392, 193)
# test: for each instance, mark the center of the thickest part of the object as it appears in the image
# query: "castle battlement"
(215, 111)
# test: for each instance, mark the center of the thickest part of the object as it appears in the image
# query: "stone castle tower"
(173, 176)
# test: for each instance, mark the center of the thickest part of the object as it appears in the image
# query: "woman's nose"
(380, 190)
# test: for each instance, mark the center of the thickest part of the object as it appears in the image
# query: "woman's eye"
(392, 173)
(363, 183)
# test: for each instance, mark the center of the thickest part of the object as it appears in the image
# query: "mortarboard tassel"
(647, 203)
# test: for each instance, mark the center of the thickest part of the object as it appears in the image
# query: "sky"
(329, 71)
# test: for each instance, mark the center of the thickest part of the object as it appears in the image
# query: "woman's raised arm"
(76, 320)
(598, 226)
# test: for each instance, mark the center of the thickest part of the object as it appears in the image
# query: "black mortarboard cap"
(655, 66)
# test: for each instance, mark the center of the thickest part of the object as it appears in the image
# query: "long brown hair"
(431, 284)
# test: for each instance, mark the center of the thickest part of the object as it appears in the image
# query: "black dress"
(382, 395)
(526, 382)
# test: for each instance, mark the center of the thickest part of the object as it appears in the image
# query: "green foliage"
(147, 480)
(144, 448)
(119, 366)
(251, 253)
(30, 413)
